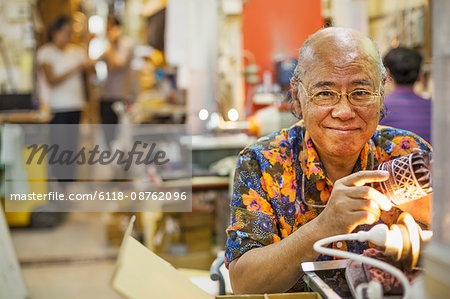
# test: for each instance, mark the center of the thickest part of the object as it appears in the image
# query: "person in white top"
(62, 64)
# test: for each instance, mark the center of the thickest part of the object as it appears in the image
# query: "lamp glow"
(97, 47)
(203, 114)
(96, 25)
(233, 114)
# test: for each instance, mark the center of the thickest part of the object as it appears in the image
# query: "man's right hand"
(351, 203)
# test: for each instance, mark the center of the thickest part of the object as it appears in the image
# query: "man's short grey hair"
(306, 47)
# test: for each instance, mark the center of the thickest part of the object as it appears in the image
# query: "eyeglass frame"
(340, 94)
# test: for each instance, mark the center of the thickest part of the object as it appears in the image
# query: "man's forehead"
(356, 74)
(329, 49)
(334, 41)
(345, 37)
(349, 57)
(350, 67)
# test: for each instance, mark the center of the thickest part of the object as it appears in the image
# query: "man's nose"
(343, 109)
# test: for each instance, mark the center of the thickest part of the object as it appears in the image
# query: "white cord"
(363, 236)
(374, 290)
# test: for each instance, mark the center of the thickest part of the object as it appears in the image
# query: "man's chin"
(345, 147)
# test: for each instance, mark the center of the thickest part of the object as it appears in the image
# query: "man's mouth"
(343, 130)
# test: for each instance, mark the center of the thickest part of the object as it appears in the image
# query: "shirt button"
(339, 244)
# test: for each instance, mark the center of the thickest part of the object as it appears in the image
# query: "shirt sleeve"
(252, 221)
(395, 143)
(44, 56)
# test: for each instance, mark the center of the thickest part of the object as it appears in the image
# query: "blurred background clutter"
(221, 66)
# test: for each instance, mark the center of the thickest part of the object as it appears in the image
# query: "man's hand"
(352, 203)
(420, 209)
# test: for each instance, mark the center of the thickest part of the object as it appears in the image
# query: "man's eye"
(325, 93)
(361, 93)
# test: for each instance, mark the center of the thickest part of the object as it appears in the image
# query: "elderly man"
(308, 182)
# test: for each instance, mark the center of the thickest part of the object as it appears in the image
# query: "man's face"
(63, 36)
(343, 129)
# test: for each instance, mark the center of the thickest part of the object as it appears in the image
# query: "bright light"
(97, 47)
(213, 121)
(101, 70)
(96, 25)
(233, 114)
(203, 114)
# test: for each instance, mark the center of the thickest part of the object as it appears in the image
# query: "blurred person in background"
(63, 64)
(117, 86)
(405, 109)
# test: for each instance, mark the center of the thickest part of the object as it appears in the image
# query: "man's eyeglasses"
(357, 97)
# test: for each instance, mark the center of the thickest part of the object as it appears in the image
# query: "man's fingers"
(367, 217)
(368, 193)
(363, 177)
(383, 202)
(372, 176)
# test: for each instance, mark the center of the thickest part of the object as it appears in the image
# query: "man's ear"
(422, 79)
(387, 79)
(384, 86)
(296, 103)
(295, 99)
(381, 102)
(388, 74)
(297, 108)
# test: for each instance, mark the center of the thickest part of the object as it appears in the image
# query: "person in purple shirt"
(405, 109)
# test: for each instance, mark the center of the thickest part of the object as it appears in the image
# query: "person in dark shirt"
(405, 109)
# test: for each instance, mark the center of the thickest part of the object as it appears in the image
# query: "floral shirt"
(267, 203)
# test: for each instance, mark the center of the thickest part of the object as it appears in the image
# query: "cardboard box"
(139, 273)
(195, 230)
